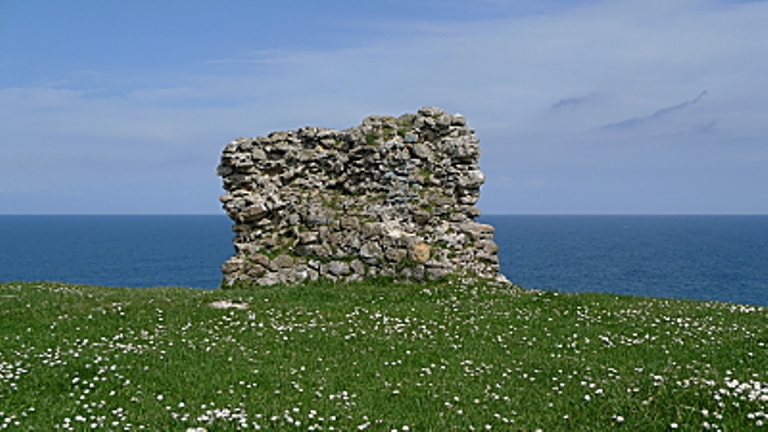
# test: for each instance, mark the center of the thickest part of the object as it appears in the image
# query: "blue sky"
(597, 107)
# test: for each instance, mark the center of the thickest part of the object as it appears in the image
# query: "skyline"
(582, 107)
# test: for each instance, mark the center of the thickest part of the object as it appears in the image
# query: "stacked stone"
(391, 197)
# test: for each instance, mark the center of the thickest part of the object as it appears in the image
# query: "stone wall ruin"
(391, 197)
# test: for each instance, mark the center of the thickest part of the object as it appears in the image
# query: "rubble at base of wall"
(391, 197)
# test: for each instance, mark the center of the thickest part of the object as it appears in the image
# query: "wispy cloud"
(573, 102)
(637, 121)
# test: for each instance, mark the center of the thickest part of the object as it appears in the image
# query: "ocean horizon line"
(481, 215)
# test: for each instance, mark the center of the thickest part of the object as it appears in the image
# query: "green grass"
(376, 356)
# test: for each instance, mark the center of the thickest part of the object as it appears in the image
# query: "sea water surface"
(122, 251)
(722, 258)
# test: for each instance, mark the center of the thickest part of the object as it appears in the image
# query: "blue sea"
(722, 258)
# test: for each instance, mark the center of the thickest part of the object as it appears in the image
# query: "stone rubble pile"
(391, 197)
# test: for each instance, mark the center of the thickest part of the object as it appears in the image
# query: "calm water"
(126, 251)
(696, 257)
(721, 258)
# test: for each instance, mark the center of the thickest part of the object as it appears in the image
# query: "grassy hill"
(376, 356)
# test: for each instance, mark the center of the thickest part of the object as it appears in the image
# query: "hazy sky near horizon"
(581, 106)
